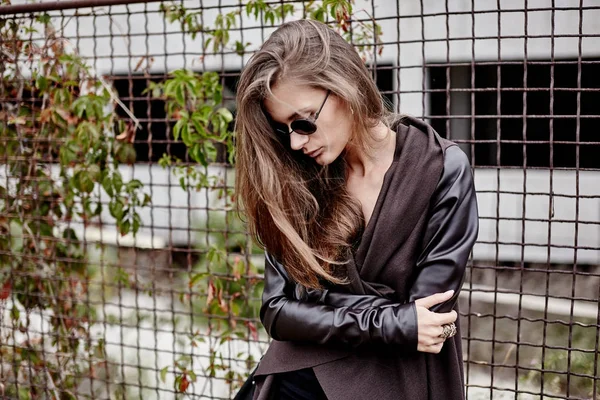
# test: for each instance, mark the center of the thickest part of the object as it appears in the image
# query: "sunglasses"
(302, 126)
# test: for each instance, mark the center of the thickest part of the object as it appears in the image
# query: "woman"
(367, 220)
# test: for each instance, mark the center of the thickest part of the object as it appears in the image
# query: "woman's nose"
(297, 140)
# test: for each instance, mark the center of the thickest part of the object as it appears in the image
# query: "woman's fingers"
(441, 330)
(435, 340)
(446, 318)
(435, 349)
(432, 344)
(434, 299)
(430, 325)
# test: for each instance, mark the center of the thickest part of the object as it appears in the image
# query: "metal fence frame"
(495, 285)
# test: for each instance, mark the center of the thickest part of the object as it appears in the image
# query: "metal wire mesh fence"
(93, 149)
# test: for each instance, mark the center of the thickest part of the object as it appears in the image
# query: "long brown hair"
(299, 211)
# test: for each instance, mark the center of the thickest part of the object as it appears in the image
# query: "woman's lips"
(314, 153)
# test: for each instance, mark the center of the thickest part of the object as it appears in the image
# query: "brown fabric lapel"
(399, 212)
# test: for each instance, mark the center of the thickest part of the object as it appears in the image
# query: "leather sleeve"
(325, 316)
(358, 321)
(450, 234)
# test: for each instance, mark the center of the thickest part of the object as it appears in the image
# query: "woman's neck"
(381, 155)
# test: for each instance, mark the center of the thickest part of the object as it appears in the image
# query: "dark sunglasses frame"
(302, 126)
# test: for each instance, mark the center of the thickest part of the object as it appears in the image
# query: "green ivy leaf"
(147, 200)
(86, 184)
(186, 135)
(107, 184)
(68, 153)
(43, 18)
(318, 14)
(137, 222)
(163, 374)
(199, 127)
(117, 181)
(15, 313)
(94, 172)
(134, 185)
(196, 278)
(98, 210)
(115, 207)
(210, 151)
(240, 48)
(125, 227)
(41, 82)
(177, 129)
(180, 95)
(125, 153)
(197, 154)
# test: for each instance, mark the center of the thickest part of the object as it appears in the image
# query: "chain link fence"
(125, 271)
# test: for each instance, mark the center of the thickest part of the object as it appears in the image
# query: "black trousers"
(300, 385)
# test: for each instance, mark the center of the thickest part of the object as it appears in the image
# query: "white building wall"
(115, 44)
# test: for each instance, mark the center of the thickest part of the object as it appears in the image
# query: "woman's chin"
(326, 158)
(322, 160)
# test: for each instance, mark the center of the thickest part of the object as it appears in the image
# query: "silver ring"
(449, 330)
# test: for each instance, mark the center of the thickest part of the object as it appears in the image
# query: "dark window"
(152, 116)
(548, 141)
(384, 78)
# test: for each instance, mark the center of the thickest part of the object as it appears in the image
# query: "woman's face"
(334, 125)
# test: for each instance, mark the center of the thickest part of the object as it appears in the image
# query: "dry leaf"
(128, 135)
(211, 293)
(222, 303)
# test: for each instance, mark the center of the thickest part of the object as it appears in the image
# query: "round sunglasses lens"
(303, 126)
(280, 129)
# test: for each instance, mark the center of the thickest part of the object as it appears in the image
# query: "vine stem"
(62, 322)
(52, 385)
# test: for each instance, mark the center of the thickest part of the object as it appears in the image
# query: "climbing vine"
(60, 148)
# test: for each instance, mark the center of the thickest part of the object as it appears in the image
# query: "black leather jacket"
(326, 316)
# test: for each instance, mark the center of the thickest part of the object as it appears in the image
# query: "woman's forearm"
(334, 317)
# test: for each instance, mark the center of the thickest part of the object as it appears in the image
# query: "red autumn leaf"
(5, 291)
(253, 330)
(183, 384)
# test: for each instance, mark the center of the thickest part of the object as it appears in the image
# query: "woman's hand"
(429, 324)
